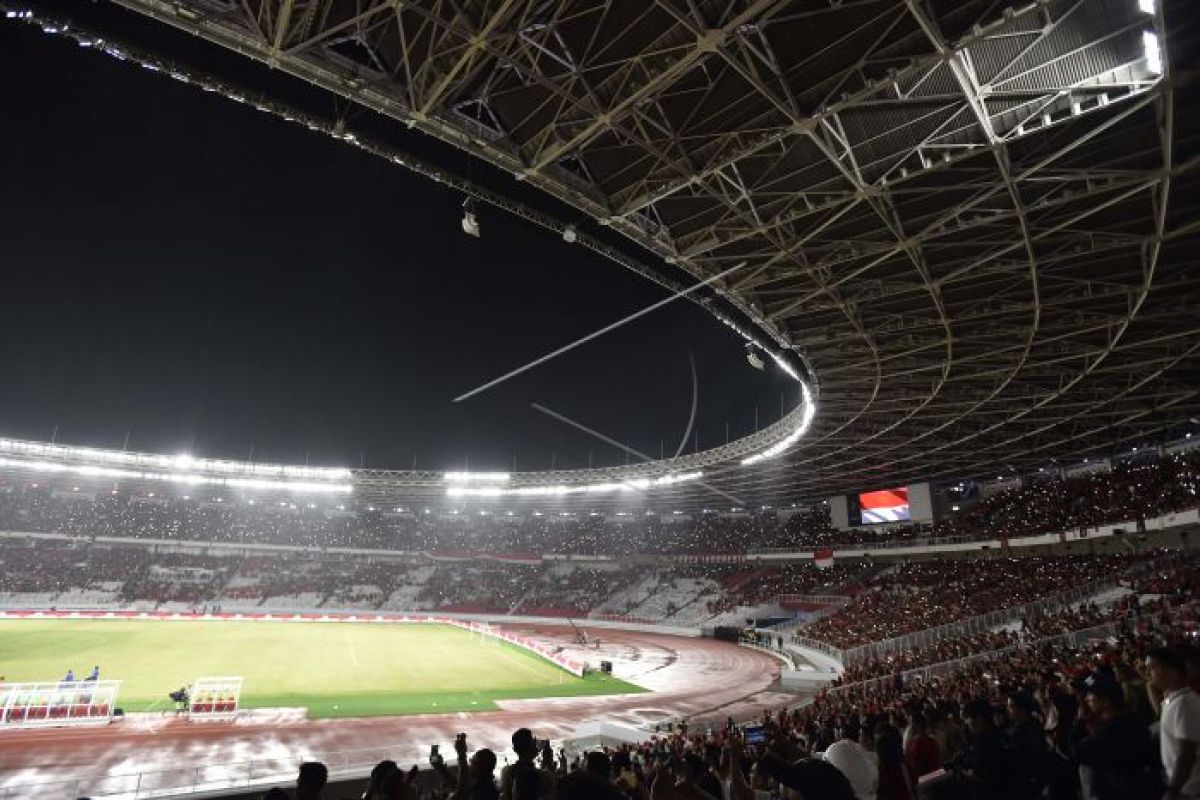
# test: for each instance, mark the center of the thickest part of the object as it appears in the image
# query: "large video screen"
(886, 505)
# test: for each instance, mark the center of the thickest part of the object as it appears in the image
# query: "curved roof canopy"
(975, 224)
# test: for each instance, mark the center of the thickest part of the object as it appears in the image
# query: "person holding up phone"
(524, 780)
(475, 779)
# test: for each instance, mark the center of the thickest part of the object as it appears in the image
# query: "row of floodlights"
(496, 484)
(470, 225)
(173, 464)
(185, 478)
(461, 485)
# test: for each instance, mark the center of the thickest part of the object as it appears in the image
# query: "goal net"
(482, 634)
(214, 698)
(57, 703)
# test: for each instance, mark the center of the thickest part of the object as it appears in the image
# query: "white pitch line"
(594, 334)
(353, 650)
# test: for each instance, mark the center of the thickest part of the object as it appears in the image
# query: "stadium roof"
(974, 226)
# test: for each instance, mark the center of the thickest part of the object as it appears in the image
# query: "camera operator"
(180, 698)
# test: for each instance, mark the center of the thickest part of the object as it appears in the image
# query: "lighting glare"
(784, 444)
(1147, 6)
(786, 367)
(1153, 53)
(186, 479)
(305, 476)
(157, 463)
(560, 490)
(477, 477)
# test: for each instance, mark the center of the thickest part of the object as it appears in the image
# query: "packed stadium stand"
(73, 546)
(1027, 590)
(960, 233)
(1134, 489)
(921, 639)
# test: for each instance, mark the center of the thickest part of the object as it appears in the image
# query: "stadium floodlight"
(187, 479)
(476, 477)
(1147, 6)
(470, 223)
(1152, 51)
(753, 357)
(570, 235)
(560, 490)
(93, 458)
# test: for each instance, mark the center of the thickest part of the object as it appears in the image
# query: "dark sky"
(206, 277)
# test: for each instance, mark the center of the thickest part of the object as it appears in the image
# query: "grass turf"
(333, 669)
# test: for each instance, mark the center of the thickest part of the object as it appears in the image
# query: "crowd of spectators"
(54, 569)
(925, 594)
(1022, 711)
(1044, 682)
(750, 588)
(881, 601)
(1172, 584)
(577, 590)
(1131, 490)
(1048, 722)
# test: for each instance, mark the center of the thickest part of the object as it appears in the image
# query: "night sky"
(204, 277)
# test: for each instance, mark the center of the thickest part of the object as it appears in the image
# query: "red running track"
(701, 679)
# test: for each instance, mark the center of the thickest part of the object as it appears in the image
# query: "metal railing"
(813, 599)
(829, 604)
(869, 543)
(876, 543)
(974, 625)
(1073, 639)
(820, 647)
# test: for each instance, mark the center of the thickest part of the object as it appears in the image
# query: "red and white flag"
(823, 557)
(886, 505)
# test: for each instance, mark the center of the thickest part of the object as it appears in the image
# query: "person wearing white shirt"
(1179, 726)
(855, 762)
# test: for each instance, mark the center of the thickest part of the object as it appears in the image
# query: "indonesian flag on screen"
(887, 505)
(823, 557)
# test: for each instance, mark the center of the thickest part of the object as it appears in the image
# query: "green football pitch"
(333, 669)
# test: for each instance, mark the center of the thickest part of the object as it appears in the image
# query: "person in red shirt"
(922, 752)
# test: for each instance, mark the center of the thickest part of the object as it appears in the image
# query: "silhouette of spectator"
(311, 780)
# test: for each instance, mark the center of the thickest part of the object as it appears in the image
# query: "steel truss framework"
(978, 223)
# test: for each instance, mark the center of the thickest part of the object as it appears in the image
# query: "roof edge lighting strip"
(186, 478)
